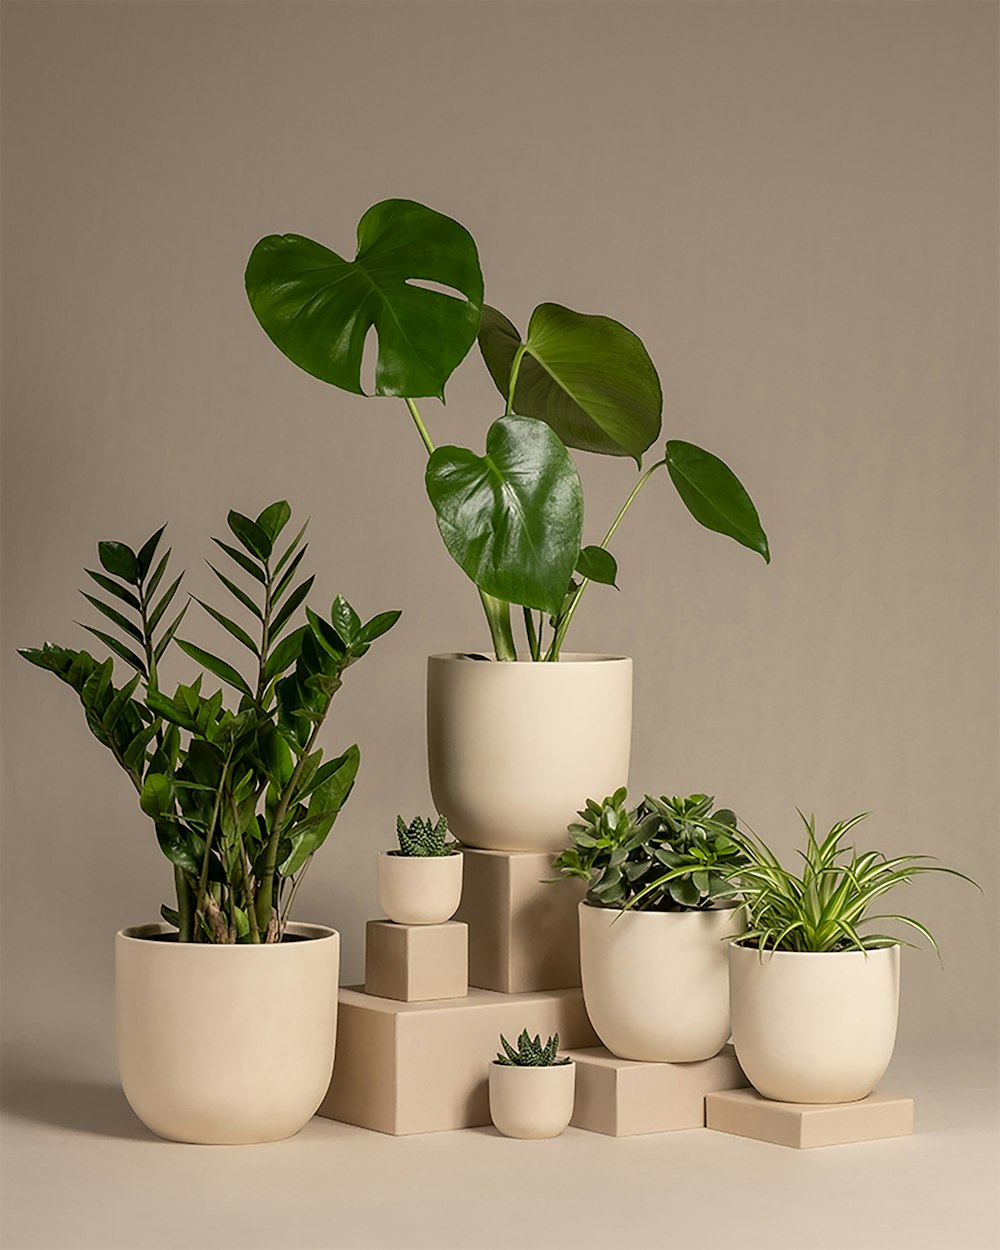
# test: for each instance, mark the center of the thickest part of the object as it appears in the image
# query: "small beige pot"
(419, 889)
(814, 1027)
(226, 1045)
(515, 749)
(655, 984)
(532, 1103)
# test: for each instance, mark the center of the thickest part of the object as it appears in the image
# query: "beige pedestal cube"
(422, 1067)
(803, 1125)
(523, 932)
(623, 1097)
(416, 962)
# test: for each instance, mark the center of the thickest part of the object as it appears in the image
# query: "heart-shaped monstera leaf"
(715, 496)
(511, 519)
(588, 377)
(318, 308)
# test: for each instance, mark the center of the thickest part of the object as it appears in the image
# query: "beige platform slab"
(804, 1125)
(422, 1067)
(416, 962)
(622, 1097)
(523, 933)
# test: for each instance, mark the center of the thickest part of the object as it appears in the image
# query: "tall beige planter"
(515, 749)
(532, 1103)
(814, 1027)
(655, 983)
(226, 1045)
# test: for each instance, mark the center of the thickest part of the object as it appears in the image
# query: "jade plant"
(512, 518)
(666, 854)
(240, 797)
(530, 1052)
(423, 838)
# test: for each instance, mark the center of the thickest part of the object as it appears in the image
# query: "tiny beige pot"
(814, 1028)
(515, 749)
(655, 983)
(419, 889)
(226, 1045)
(532, 1103)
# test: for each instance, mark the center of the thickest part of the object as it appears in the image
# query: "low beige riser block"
(804, 1125)
(523, 931)
(623, 1097)
(416, 962)
(423, 1067)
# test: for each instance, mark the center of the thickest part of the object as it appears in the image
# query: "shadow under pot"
(814, 1027)
(512, 747)
(226, 1045)
(655, 983)
(532, 1103)
(419, 889)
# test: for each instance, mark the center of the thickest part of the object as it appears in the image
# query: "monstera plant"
(512, 518)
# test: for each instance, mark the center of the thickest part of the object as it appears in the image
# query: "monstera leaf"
(317, 308)
(714, 495)
(511, 519)
(588, 377)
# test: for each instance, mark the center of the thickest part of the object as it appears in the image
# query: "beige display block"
(523, 932)
(416, 962)
(422, 1067)
(804, 1125)
(622, 1097)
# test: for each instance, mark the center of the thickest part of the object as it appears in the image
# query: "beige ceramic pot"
(419, 889)
(532, 1102)
(226, 1045)
(814, 1027)
(655, 983)
(515, 749)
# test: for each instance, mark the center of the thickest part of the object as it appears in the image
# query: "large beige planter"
(420, 889)
(226, 1045)
(655, 983)
(515, 749)
(814, 1027)
(532, 1103)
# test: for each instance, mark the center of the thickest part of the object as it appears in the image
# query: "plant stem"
(210, 834)
(248, 895)
(515, 369)
(265, 633)
(534, 643)
(421, 428)
(185, 910)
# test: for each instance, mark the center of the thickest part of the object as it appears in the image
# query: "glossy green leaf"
(113, 588)
(284, 655)
(244, 561)
(156, 798)
(237, 593)
(119, 560)
(123, 623)
(237, 631)
(344, 619)
(157, 574)
(378, 625)
(511, 519)
(325, 802)
(714, 495)
(165, 600)
(146, 552)
(589, 377)
(274, 518)
(318, 308)
(294, 600)
(283, 558)
(118, 648)
(283, 582)
(250, 535)
(597, 564)
(215, 665)
(168, 636)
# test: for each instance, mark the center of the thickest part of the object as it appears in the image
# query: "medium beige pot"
(226, 1045)
(515, 749)
(655, 983)
(532, 1103)
(420, 889)
(814, 1027)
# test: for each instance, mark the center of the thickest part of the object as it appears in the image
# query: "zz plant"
(241, 798)
(512, 518)
(530, 1052)
(424, 838)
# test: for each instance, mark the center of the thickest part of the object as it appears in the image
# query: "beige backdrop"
(793, 204)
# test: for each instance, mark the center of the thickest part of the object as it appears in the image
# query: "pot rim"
(141, 933)
(392, 854)
(724, 910)
(738, 944)
(567, 657)
(524, 1067)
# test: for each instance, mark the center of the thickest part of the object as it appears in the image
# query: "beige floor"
(80, 1173)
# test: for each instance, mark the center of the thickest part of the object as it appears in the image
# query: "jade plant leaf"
(588, 377)
(511, 519)
(714, 495)
(318, 308)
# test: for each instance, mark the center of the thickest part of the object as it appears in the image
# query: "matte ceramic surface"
(532, 1102)
(226, 1045)
(419, 889)
(814, 1028)
(655, 983)
(515, 749)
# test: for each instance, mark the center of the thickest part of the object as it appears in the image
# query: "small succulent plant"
(423, 838)
(530, 1053)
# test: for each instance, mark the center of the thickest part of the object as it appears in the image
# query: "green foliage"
(240, 797)
(666, 854)
(530, 1052)
(424, 838)
(824, 907)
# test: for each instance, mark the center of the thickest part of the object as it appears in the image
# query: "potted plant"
(421, 881)
(654, 923)
(815, 994)
(510, 746)
(532, 1088)
(226, 1014)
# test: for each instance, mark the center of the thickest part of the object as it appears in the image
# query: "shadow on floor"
(77, 1105)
